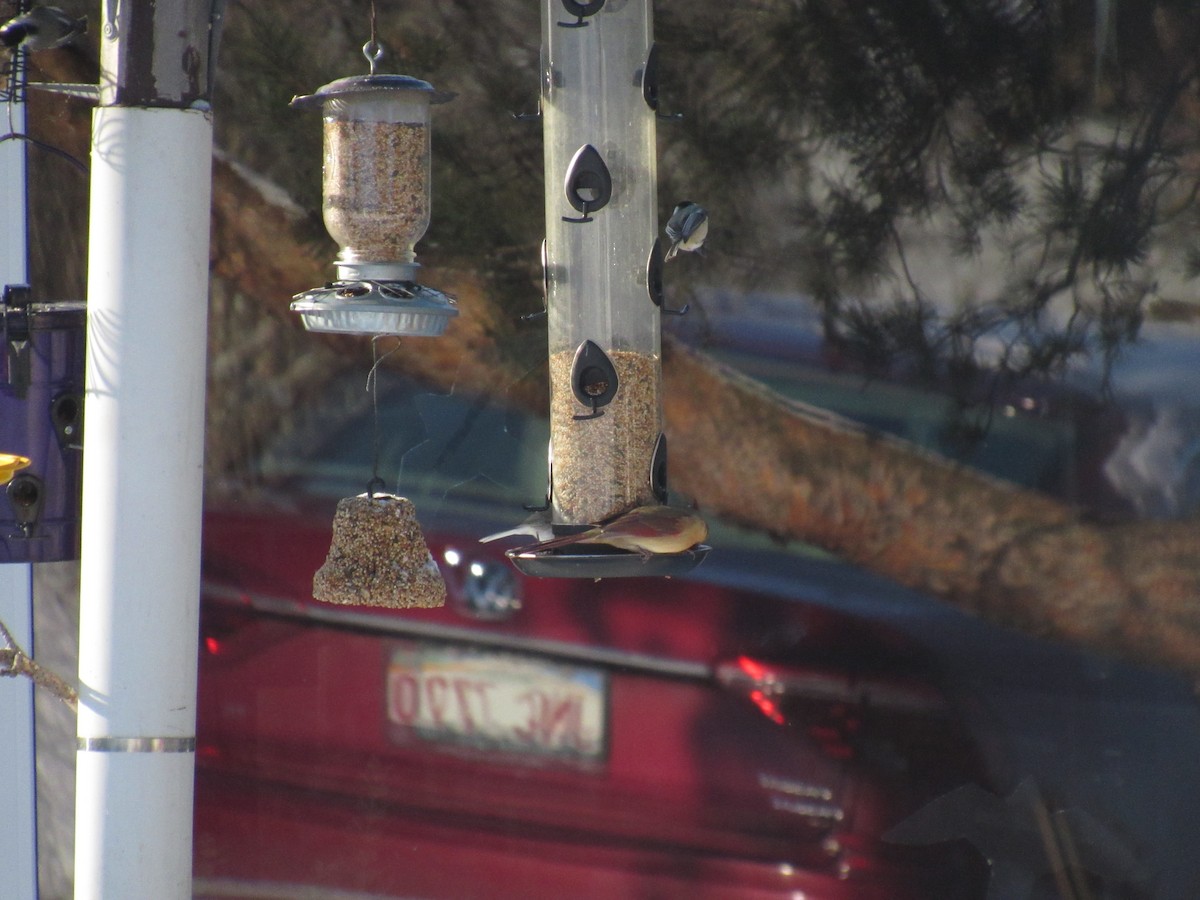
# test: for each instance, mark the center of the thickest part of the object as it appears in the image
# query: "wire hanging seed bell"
(379, 557)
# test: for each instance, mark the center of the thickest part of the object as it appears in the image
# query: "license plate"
(497, 701)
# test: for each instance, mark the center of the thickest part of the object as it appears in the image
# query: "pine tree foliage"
(848, 150)
(976, 122)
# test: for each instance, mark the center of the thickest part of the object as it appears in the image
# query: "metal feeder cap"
(368, 84)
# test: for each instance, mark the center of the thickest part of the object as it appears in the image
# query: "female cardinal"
(645, 531)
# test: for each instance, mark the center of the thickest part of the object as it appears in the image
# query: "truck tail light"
(827, 705)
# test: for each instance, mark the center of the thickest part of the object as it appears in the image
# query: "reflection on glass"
(968, 226)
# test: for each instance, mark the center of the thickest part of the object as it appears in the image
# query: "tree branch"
(1012, 556)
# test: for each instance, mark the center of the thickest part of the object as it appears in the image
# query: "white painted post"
(18, 836)
(143, 454)
(142, 484)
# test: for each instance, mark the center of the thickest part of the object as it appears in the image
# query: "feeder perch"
(581, 10)
(375, 204)
(379, 557)
(601, 563)
(588, 184)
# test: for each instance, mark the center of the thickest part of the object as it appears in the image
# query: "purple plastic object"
(41, 417)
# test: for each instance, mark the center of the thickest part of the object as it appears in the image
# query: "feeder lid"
(369, 84)
(375, 307)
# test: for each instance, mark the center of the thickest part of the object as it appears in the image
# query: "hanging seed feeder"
(379, 557)
(603, 280)
(375, 204)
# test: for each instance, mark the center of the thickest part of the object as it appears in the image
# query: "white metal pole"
(142, 484)
(18, 844)
(18, 841)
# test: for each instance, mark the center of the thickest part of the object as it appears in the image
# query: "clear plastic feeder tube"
(376, 178)
(601, 224)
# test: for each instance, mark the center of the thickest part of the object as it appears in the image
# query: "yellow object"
(10, 465)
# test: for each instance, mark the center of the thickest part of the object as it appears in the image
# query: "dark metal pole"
(158, 54)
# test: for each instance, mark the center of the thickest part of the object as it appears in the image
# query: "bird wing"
(695, 218)
(566, 540)
(646, 521)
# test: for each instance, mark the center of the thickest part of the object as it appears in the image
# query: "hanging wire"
(376, 432)
(42, 145)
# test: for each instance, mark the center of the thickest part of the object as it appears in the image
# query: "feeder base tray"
(615, 564)
(375, 307)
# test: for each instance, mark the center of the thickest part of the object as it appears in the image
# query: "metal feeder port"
(375, 205)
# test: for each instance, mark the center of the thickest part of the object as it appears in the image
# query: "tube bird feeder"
(603, 279)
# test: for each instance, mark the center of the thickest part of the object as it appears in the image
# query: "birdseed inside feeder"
(379, 557)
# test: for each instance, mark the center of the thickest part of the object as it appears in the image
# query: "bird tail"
(565, 540)
(508, 532)
(671, 251)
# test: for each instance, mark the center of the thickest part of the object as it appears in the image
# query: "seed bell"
(375, 204)
(379, 557)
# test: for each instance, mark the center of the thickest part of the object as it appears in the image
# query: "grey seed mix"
(376, 187)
